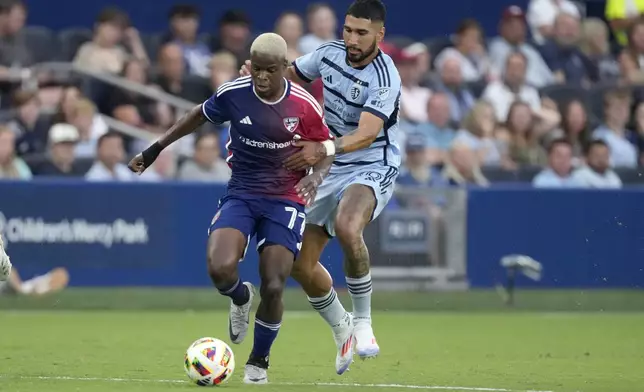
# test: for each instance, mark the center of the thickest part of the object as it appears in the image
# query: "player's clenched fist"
(142, 161)
(245, 69)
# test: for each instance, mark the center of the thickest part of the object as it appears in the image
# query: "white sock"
(360, 291)
(329, 307)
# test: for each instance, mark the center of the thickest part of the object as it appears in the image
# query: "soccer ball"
(209, 362)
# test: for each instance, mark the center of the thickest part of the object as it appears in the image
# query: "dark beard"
(363, 56)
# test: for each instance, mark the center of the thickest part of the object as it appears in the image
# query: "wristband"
(329, 146)
(151, 153)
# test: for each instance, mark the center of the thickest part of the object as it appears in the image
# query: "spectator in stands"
(617, 104)
(322, 24)
(234, 35)
(462, 167)
(524, 136)
(595, 46)
(105, 53)
(621, 15)
(575, 127)
(223, 68)
(418, 170)
(82, 119)
(558, 172)
(291, 27)
(28, 124)
(171, 67)
(512, 29)
(67, 110)
(152, 112)
(14, 52)
(469, 50)
(477, 133)
(413, 97)
(206, 164)
(542, 15)
(11, 166)
(461, 99)
(631, 59)
(184, 24)
(109, 165)
(61, 162)
(562, 54)
(639, 128)
(597, 172)
(512, 87)
(436, 132)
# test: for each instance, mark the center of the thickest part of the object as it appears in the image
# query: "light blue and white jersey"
(349, 91)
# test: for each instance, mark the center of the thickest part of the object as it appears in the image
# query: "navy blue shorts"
(272, 221)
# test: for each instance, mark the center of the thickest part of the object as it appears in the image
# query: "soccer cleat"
(344, 340)
(255, 371)
(366, 345)
(239, 317)
(5, 263)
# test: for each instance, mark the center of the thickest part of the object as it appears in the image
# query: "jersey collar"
(287, 90)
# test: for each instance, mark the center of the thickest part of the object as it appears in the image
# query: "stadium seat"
(631, 176)
(564, 93)
(71, 40)
(526, 174)
(41, 42)
(497, 174)
(152, 43)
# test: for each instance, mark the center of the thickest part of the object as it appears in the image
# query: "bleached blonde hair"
(270, 44)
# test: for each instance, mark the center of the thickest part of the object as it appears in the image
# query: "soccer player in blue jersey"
(267, 114)
(361, 103)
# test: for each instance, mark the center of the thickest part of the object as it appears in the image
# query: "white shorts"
(381, 179)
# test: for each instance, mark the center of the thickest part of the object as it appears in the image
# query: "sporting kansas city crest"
(291, 123)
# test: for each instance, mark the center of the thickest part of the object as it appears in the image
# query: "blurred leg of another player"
(49, 283)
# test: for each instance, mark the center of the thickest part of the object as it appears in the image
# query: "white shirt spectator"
(588, 178)
(414, 103)
(547, 178)
(537, 74)
(622, 152)
(471, 69)
(501, 98)
(544, 12)
(98, 172)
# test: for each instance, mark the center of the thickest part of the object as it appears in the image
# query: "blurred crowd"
(552, 98)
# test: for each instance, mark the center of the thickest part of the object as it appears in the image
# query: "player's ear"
(380, 36)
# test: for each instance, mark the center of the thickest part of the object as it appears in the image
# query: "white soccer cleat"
(366, 345)
(5, 263)
(344, 340)
(239, 317)
(255, 375)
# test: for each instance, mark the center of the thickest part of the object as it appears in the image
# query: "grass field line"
(313, 384)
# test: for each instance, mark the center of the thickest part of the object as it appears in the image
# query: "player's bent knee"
(349, 227)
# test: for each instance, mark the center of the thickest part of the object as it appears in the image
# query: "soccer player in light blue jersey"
(361, 104)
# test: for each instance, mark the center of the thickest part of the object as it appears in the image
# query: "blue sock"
(238, 292)
(265, 334)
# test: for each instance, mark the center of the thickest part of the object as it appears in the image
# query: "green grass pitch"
(59, 344)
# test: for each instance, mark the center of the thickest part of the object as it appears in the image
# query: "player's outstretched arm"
(185, 126)
(362, 137)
